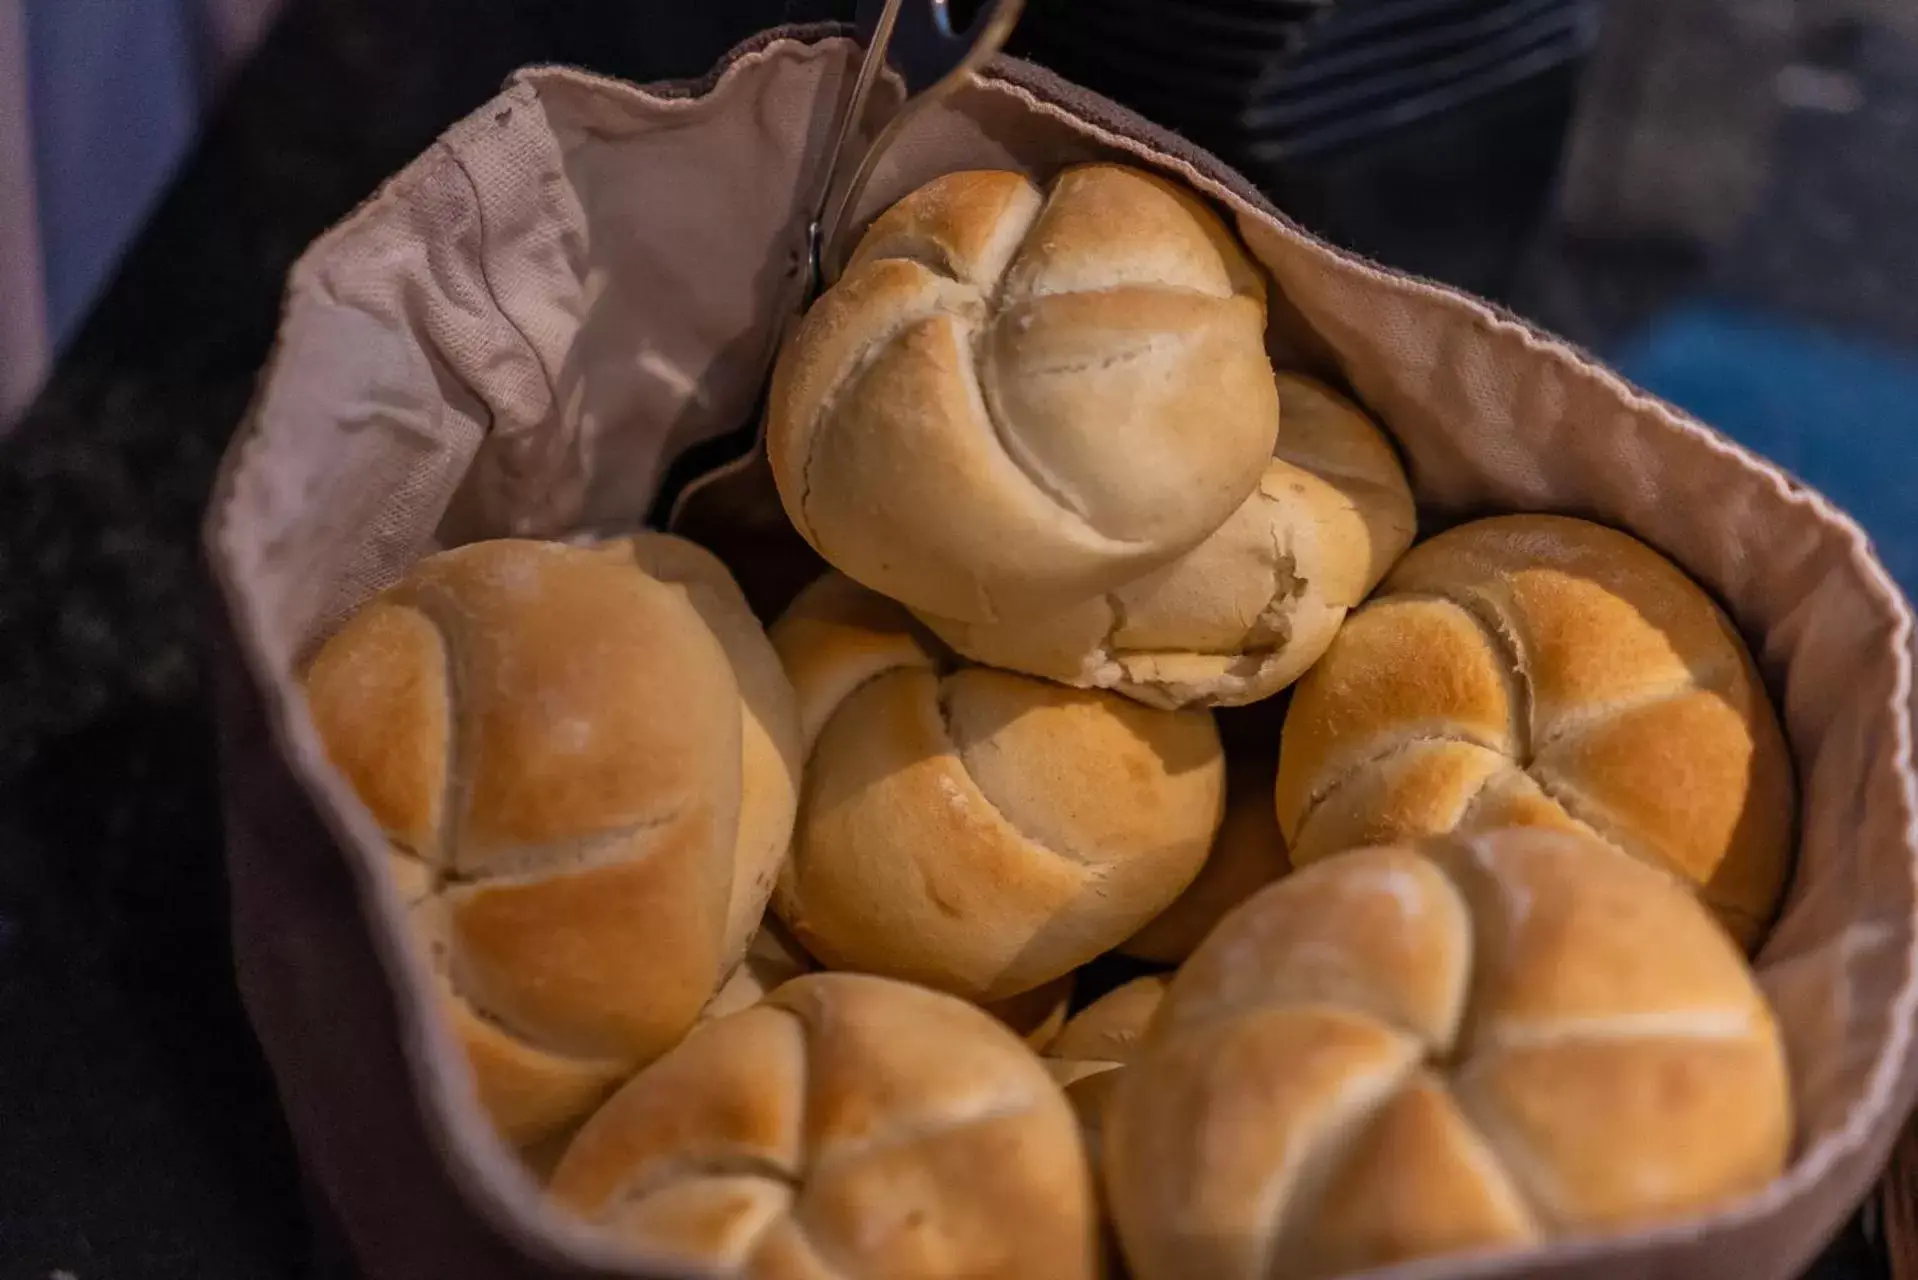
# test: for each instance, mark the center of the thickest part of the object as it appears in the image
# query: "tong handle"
(926, 47)
(917, 39)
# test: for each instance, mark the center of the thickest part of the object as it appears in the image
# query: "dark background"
(138, 1131)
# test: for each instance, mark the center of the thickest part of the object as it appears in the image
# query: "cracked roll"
(1244, 613)
(1483, 1042)
(848, 1126)
(976, 831)
(585, 762)
(1545, 671)
(1016, 397)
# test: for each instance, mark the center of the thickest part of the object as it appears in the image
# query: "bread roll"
(1244, 613)
(1397, 1052)
(1014, 398)
(1543, 671)
(1097, 1042)
(976, 831)
(769, 730)
(1247, 854)
(772, 960)
(848, 1126)
(557, 741)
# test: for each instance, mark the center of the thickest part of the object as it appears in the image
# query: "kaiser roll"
(769, 730)
(973, 830)
(1245, 612)
(584, 760)
(1097, 1042)
(1404, 1051)
(1544, 671)
(1017, 397)
(847, 1126)
(1247, 854)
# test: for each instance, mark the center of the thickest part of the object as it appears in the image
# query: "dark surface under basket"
(138, 1132)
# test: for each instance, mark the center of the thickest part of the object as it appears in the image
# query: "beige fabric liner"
(580, 279)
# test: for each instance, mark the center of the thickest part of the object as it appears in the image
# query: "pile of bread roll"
(937, 932)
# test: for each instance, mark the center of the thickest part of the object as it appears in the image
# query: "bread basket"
(521, 331)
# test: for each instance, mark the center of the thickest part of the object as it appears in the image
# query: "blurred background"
(1718, 196)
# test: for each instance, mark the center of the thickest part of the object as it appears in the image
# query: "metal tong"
(919, 42)
(917, 39)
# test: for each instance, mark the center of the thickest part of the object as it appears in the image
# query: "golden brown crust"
(1244, 613)
(552, 738)
(380, 701)
(979, 832)
(526, 1090)
(966, 225)
(850, 1126)
(1110, 1029)
(612, 961)
(1019, 369)
(1417, 1181)
(1546, 671)
(1477, 1042)
(1247, 854)
(1090, 1052)
(770, 752)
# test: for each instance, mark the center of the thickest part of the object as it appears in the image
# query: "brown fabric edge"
(694, 87)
